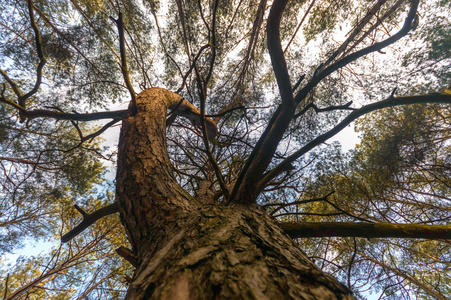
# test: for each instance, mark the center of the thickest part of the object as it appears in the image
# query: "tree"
(223, 176)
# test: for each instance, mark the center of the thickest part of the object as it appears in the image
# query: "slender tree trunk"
(186, 250)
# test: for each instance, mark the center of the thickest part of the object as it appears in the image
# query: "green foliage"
(326, 16)
(399, 173)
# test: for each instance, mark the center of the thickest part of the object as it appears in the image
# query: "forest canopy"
(264, 87)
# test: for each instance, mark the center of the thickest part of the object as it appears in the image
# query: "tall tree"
(223, 176)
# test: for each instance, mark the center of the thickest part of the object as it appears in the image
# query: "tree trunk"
(186, 250)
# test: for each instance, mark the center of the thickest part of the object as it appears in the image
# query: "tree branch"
(247, 188)
(377, 23)
(282, 205)
(42, 60)
(321, 74)
(223, 113)
(124, 69)
(366, 230)
(191, 68)
(263, 152)
(36, 164)
(276, 53)
(329, 108)
(41, 113)
(51, 272)
(186, 109)
(397, 272)
(128, 255)
(11, 83)
(389, 102)
(205, 137)
(357, 29)
(212, 43)
(89, 219)
(299, 27)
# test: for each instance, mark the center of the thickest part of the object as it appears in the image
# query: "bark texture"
(189, 250)
(366, 230)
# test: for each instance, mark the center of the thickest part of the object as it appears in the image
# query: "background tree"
(211, 175)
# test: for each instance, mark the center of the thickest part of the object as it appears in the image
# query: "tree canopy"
(270, 83)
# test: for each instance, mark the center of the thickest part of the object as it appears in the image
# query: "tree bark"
(366, 230)
(186, 250)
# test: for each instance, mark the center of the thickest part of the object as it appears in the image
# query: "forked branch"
(321, 73)
(89, 219)
(21, 99)
(282, 205)
(389, 102)
(42, 60)
(247, 188)
(329, 108)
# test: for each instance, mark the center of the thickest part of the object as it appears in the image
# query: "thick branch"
(247, 188)
(186, 109)
(42, 60)
(128, 255)
(275, 51)
(41, 113)
(366, 230)
(89, 219)
(124, 69)
(390, 102)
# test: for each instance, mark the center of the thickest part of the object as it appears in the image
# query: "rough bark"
(185, 250)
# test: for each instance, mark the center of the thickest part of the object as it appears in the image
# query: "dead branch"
(89, 219)
(128, 255)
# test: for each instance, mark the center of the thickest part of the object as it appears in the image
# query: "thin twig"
(282, 205)
(210, 156)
